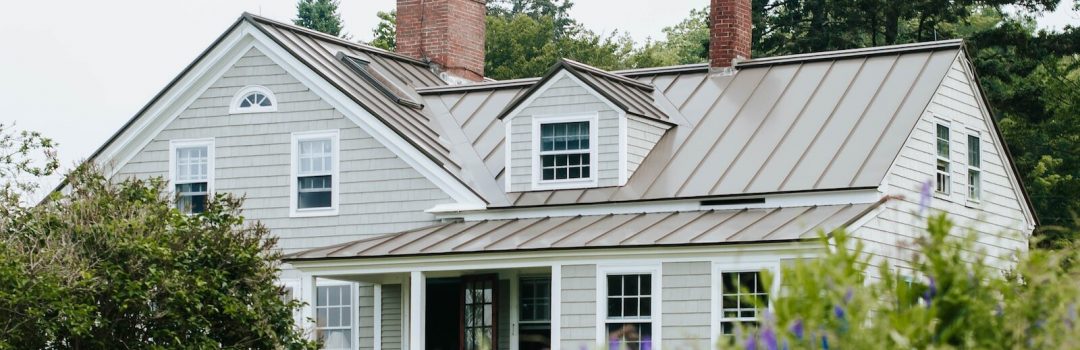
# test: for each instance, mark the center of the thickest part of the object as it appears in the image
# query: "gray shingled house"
(423, 206)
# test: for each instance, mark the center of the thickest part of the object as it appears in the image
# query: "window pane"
(943, 141)
(974, 184)
(974, 149)
(633, 336)
(191, 163)
(614, 285)
(315, 157)
(314, 200)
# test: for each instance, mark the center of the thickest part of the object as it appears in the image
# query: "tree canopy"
(320, 15)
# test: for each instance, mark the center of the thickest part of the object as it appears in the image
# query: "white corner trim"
(335, 172)
(376, 323)
(752, 264)
(655, 269)
(234, 105)
(210, 167)
(624, 174)
(556, 306)
(594, 152)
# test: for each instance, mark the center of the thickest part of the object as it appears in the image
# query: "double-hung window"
(333, 316)
(192, 171)
(742, 297)
(565, 151)
(629, 316)
(974, 167)
(315, 169)
(943, 178)
(535, 314)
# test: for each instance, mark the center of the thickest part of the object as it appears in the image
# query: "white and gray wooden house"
(424, 207)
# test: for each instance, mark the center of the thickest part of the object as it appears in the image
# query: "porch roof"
(601, 231)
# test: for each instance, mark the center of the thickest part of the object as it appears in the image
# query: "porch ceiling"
(601, 231)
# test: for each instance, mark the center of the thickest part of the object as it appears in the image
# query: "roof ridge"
(856, 52)
(356, 45)
(606, 74)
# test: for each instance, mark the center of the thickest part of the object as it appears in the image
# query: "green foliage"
(114, 265)
(385, 32)
(523, 46)
(684, 43)
(320, 15)
(24, 155)
(948, 300)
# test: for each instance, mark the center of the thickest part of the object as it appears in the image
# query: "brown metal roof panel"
(360, 247)
(617, 235)
(827, 143)
(783, 157)
(892, 139)
(895, 89)
(731, 226)
(392, 245)
(652, 234)
(417, 243)
(769, 224)
(704, 96)
(581, 238)
(474, 243)
(736, 132)
(571, 227)
(807, 222)
(708, 221)
(459, 237)
(516, 240)
(777, 124)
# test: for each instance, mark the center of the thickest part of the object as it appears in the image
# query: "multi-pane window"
(333, 316)
(191, 175)
(943, 178)
(564, 151)
(742, 297)
(974, 168)
(479, 313)
(253, 99)
(535, 313)
(629, 310)
(315, 172)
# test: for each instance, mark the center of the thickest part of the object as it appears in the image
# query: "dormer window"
(253, 99)
(565, 151)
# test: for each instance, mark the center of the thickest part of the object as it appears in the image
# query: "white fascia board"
(674, 205)
(224, 56)
(727, 254)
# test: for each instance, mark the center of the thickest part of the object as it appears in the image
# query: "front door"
(479, 294)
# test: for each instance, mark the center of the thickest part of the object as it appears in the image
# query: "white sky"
(77, 70)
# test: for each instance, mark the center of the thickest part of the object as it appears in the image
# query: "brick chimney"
(448, 33)
(729, 32)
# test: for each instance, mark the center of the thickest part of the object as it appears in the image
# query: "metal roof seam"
(557, 241)
(459, 232)
(828, 119)
(892, 119)
(788, 221)
(702, 214)
(646, 228)
(717, 225)
(751, 224)
(474, 239)
(827, 218)
(469, 224)
(632, 218)
(750, 140)
(564, 221)
(859, 121)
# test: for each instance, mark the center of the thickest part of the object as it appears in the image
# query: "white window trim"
(537, 182)
(294, 284)
(967, 163)
(335, 178)
(354, 300)
(234, 105)
(772, 265)
(937, 157)
(210, 166)
(602, 271)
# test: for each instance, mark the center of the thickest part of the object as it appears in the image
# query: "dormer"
(579, 127)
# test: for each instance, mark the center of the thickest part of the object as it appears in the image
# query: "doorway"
(462, 313)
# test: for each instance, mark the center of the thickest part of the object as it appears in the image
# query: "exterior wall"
(391, 317)
(997, 219)
(366, 312)
(564, 97)
(380, 193)
(641, 136)
(578, 319)
(687, 305)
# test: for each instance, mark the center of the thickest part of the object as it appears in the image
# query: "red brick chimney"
(729, 32)
(448, 33)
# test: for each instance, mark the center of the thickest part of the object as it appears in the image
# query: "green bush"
(114, 265)
(948, 300)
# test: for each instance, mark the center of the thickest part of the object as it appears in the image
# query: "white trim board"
(224, 56)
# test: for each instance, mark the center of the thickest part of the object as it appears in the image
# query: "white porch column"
(377, 319)
(307, 312)
(556, 306)
(417, 295)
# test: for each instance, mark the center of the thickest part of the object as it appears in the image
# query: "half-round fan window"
(253, 99)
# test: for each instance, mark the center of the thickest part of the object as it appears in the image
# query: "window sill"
(307, 213)
(545, 185)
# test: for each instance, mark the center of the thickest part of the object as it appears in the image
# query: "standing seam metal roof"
(708, 227)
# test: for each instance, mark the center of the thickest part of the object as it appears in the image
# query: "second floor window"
(974, 167)
(564, 151)
(943, 177)
(315, 167)
(192, 174)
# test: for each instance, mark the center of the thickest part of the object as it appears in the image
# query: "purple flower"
(838, 311)
(751, 342)
(848, 295)
(646, 343)
(614, 344)
(797, 329)
(825, 342)
(931, 291)
(925, 196)
(769, 338)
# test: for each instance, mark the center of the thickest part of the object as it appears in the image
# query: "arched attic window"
(252, 99)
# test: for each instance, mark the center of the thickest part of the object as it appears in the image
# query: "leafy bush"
(949, 301)
(114, 265)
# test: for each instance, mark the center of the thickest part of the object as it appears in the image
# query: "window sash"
(576, 143)
(974, 184)
(743, 290)
(314, 157)
(535, 300)
(944, 177)
(974, 151)
(641, 296)
(192, 164)
(943, 141)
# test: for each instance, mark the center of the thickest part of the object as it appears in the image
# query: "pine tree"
(320, 15)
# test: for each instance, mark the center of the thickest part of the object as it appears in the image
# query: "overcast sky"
(77, 70)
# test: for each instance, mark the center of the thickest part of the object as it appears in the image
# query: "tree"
(684, 43)
(24, 155)
(949, 299)
(113, 264)
(320, 15)
(386, 31)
